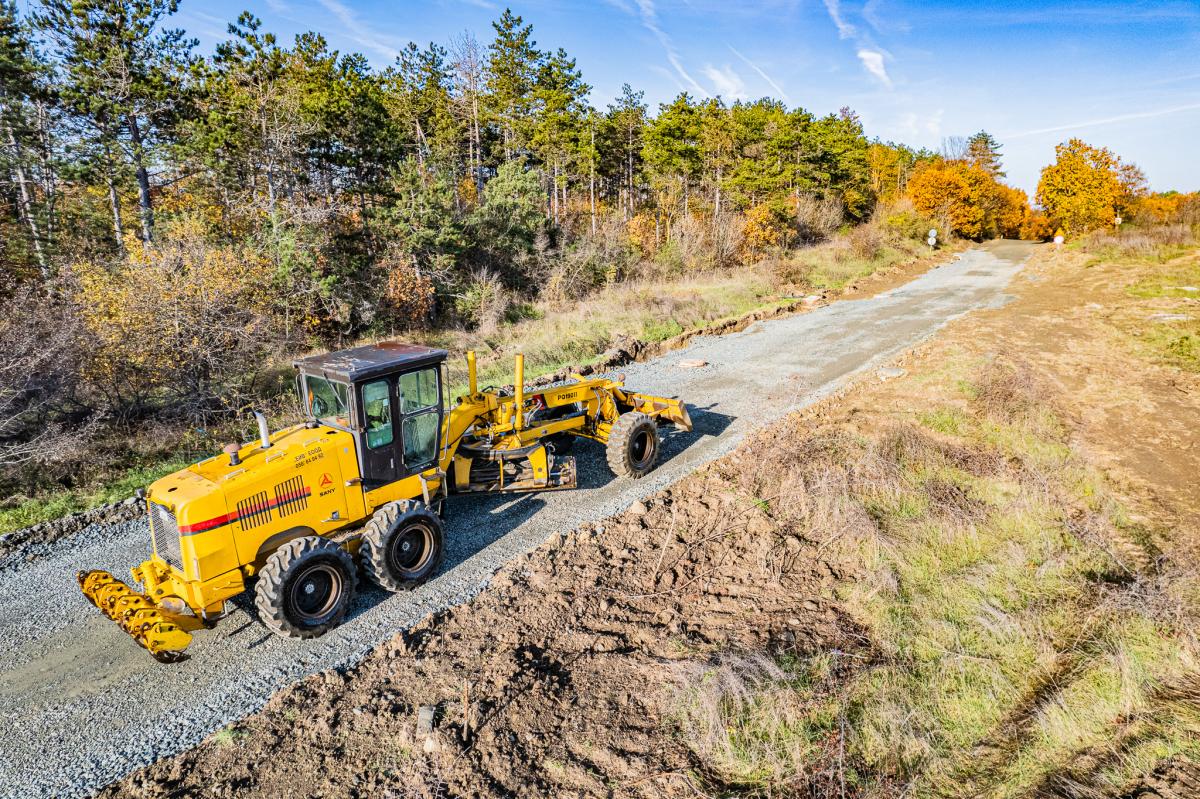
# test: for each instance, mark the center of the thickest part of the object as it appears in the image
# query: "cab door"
(419, 402)
(382, 463)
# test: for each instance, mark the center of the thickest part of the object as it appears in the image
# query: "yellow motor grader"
(364, 478)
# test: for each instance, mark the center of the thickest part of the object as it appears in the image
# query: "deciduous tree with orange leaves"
(968, 198)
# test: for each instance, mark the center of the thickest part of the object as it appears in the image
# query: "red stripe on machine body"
(230, 518)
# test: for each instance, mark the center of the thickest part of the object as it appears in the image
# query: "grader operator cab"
(361, 483)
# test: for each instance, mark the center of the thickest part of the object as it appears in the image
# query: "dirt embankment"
(570, 676)
(556, 681)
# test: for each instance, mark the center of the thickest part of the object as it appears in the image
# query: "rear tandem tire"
(306, 587)
(402, 545)
(632, 448)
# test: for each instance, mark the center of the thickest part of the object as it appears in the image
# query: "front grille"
(165, 533)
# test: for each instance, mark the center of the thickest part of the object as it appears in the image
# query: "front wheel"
(402, 545)
(632, 448)
(306, 587)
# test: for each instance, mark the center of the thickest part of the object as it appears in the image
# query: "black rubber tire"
(392, 527)
(301, 567)
(633, 445)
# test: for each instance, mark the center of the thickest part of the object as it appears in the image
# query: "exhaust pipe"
(264, 432)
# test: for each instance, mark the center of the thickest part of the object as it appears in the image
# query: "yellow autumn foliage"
(178, 317)
(1081, 190)
(643, 234)
(767, 226)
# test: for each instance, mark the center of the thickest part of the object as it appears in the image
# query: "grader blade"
(480, 469)
(161, 632)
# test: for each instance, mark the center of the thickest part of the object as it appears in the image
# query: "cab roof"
(370, 360)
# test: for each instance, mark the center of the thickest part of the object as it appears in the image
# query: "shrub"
(908, 225)
(816, 218)
(183, 325)
(483, 303)
(766, 226)
(865, 242)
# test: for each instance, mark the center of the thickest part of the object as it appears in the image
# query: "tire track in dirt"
(87, 706)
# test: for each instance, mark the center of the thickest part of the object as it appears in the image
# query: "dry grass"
(1159, 242)
(1028, 639)
(760, 727)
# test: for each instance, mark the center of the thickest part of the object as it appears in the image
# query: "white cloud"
(845, 29)
(923, 128)
(648, 15)
(727, 82)
(278, 6)
(872, 60)
(1160, 112)
(871, 56)
(359, 32)
(770, 81)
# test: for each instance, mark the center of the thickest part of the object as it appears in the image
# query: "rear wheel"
(632, 448)
(305, 588)
(402, 545)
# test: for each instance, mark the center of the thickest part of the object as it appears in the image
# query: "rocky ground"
(64, 666)
(570, 675)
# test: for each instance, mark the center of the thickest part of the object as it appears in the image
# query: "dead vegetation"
(925, 591)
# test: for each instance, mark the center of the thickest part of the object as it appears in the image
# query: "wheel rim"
(411, 550)
(315, 592)
(641, 448)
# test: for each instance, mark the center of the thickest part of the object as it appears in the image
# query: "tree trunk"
(592, 181)
(114, 201)
(478, 165)
(629, 178)
(554, 193)
(717, 199)
(45, 157)
(143, 179)
(25, 203)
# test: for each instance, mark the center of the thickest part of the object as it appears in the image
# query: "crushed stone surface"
(85, 705)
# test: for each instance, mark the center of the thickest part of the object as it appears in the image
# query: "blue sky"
(1125, 75)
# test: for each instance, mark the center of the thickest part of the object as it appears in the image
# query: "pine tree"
(123, 75)
(558, 133)
(672, 150)
(21, 87)
(627, 119)
(983, 151)
(512, 72)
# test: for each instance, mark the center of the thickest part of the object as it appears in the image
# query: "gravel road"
(85, 705)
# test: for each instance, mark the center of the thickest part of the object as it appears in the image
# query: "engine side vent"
(291, 497)
(253, 511)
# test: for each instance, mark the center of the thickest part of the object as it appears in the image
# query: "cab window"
(418, 390)
(377, 407)
(420, 439)
(419, 398)
(327, 400)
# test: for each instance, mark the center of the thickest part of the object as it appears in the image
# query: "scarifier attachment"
(156, 629)
(671, 409)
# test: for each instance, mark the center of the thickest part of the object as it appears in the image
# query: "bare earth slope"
(576, 672)
(85, 706)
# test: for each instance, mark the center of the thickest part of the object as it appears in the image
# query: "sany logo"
(326, 480)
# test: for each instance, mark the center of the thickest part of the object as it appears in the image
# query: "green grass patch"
(18, 512)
